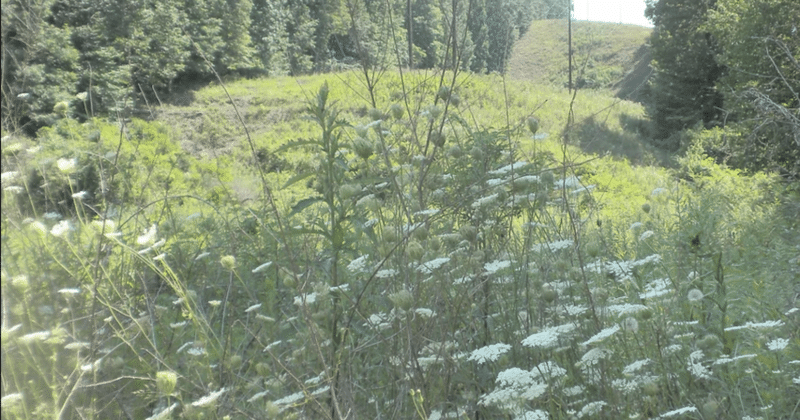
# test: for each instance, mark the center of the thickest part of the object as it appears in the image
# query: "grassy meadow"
(443, 246)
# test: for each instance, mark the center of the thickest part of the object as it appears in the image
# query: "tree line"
(91, 56)
(727, 78)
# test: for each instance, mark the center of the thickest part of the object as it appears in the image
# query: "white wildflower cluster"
(209, 399)
(484, 201)
(572, 310)
(61, 228)
(489, 353)
(272, 345)
(290, 399)
(495, 182)
(726, 360)
(340, 288)
(429, 266)
(571, 181)
(148, 237)
(532, 415)
(756, 325)
(496, 265)
(633, 381)
(514, 384)
(164, 414)
(426, 212)
(35, 336)
(626, 308)
(8, 177)
(548, 337)
(656, 288)
(425, 313)
(67, 165)
(645, 235)
(778, 344)
(627, 386)
(508, 168)
(696, 368)
(381, 320)
(679, 411)
(602, 335)
(549, 370)
(262, 267)
(635, 366)
(306, 299)
(72, 291)
(593, 357)
(257, 396)
(671, 349)
(621, 270)
(77, 345)
(253, 308)
(386, 273)
(10, 400)
(591, 409)
(553, 246)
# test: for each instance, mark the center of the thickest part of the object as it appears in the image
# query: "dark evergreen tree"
(502, 30)
(427, 26)
(683, 91)
(40, 65)
(549, 9)
(268, 19)
(476, 22)
(300, 28)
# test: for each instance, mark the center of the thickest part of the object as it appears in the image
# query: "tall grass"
(409, 260)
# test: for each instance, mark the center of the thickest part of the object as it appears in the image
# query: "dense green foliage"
(377, 243)
(730, 66)
(684, 90)
(421, 259)
(118, 54)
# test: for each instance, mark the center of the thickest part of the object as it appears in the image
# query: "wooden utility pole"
(410, 17)
(569, 30)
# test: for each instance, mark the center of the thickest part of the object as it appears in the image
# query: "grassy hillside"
(604, 54)
(273, 108)
(440, 256)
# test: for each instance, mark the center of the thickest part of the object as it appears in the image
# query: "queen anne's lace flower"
(489, 353)
(496, 265)
(208, 399)
(602, 335)
(164, 414)
(591, 409)
(697, 369)
(679, 411)
(548, 337)
(778, 344)
(428, 267)
(765, 324)
(358, 264)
